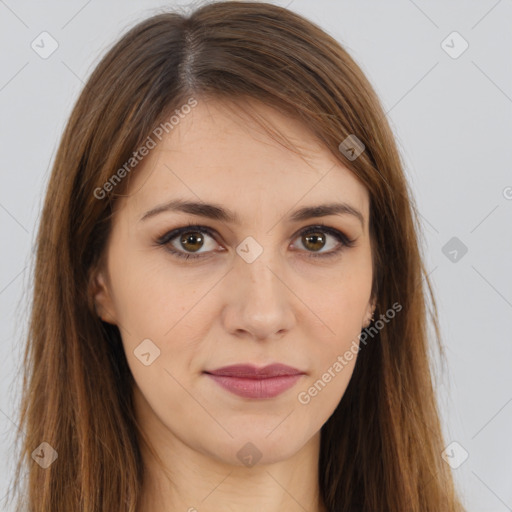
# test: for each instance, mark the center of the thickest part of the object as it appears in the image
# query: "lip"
(249, 381)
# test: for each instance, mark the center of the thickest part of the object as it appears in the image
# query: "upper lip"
(249, 371)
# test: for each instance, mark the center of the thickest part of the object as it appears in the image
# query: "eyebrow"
(217, 212)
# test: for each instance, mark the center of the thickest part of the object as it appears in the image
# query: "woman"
(229, 303)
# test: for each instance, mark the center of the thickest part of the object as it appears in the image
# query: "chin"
(257, 445)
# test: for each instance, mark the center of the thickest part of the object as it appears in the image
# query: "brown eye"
(316, 238)
(192, 241)
(314, 241)
(187, 242)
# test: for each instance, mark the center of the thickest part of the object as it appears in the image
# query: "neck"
(179, 477)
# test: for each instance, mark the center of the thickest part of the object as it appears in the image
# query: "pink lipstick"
(250, 382)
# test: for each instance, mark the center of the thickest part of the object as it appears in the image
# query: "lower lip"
(256, 388)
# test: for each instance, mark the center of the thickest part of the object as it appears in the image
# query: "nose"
(259, 303)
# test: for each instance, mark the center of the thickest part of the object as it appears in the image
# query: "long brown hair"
(381, 448)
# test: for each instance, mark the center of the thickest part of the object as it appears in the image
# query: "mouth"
(248, 381)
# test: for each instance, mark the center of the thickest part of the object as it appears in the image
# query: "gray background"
(452, 118)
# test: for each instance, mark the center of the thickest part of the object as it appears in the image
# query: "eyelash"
(171, 235)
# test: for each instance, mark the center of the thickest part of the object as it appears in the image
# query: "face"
(262, 288)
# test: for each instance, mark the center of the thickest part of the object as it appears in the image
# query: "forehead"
(216, 153)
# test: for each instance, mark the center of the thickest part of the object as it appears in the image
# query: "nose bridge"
(258, 267)
(259, 301)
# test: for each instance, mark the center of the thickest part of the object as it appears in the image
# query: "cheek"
(334, 345)
(157, 302)
(334, 358)
(340, 306)
(148, 300)
(136, 303)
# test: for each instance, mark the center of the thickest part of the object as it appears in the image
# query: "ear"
(100, 292)
(370, 308)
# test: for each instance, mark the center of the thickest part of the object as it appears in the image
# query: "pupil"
(192, 239)
(315, 239)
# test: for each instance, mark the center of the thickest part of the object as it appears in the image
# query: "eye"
(189, 237)
(192, 238)
(314, 237)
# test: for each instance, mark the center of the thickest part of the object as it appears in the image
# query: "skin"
(286, 306)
